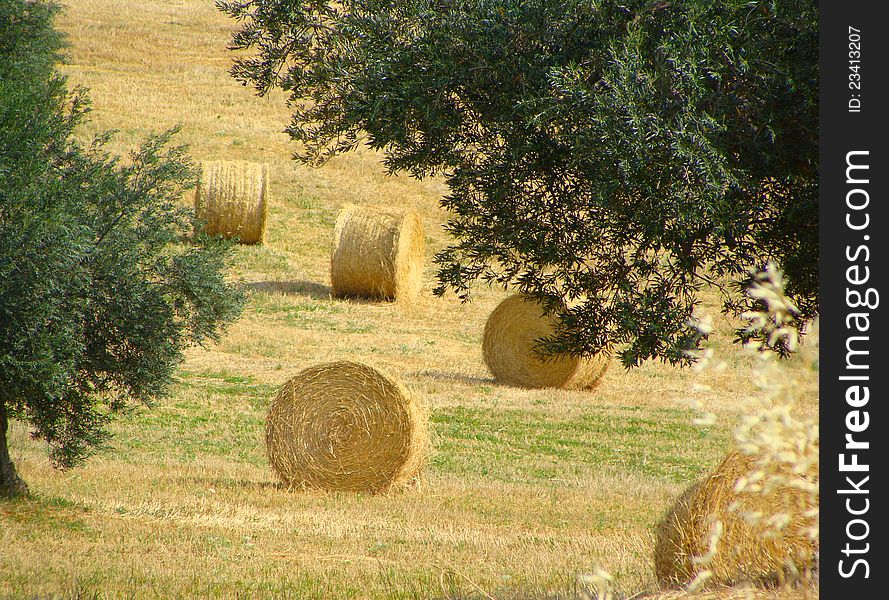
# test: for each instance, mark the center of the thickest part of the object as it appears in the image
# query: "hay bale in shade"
(377, 253)
(232, 199)
(346, 426)
(511, 335)
(743, 553)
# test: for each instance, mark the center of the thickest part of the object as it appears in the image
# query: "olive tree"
(609, 158)
(98, 298)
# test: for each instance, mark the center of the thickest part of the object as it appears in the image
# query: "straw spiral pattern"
(744, 552)
(346, 426)
(511, 335)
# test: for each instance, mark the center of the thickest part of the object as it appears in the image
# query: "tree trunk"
(10, 482)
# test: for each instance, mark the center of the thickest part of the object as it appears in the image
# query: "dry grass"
(525, 490)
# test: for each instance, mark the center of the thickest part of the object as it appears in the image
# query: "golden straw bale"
(232, 199)
(511, 335)
(377, 253)
(745, 552)
(346, 426)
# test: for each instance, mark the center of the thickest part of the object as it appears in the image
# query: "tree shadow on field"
(309, 289)
(300, 287)
(436, 375)
(224, 482)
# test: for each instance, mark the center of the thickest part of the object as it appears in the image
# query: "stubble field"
(525, 490)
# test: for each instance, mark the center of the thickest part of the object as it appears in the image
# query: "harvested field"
(524, 491)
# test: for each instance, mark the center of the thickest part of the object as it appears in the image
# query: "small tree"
(609, 158)
(97, 299)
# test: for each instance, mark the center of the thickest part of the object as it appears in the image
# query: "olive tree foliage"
(609, 158)
(98, 297)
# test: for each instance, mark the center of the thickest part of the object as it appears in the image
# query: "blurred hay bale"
(232, 199)
(378, 253)
(346, 426)
(746, 551)
(511, 335)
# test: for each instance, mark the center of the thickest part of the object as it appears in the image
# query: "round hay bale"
(510, 338)
(377, 253)
(232, 199)
(744, 553)
(346, 426)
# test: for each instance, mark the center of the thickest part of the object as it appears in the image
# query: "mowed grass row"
(221, 415)
(524, 490)
(187, 485)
